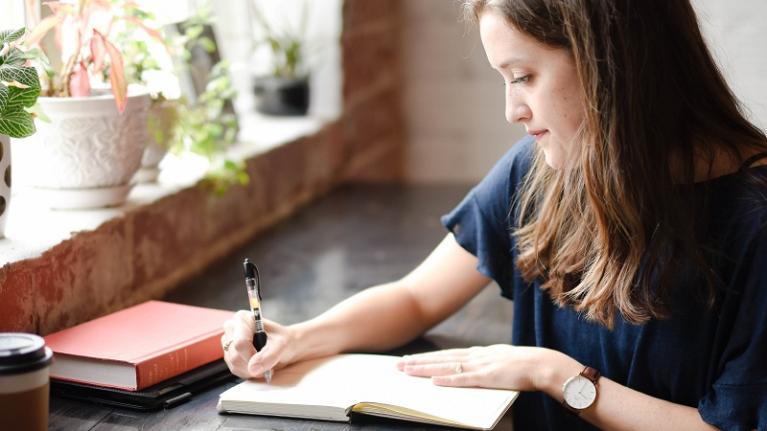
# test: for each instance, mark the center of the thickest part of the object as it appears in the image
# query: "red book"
(138, 347)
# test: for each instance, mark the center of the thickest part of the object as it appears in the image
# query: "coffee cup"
(24, 381)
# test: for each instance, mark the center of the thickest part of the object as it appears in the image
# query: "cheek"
(568, 111)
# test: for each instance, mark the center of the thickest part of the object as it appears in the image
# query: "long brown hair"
(608, 234)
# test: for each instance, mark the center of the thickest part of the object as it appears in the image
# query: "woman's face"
(542, 88)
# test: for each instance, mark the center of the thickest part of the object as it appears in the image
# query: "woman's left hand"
(499, 366)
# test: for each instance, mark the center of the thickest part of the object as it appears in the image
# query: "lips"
(537, 134)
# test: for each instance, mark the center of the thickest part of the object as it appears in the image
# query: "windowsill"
(32, 228)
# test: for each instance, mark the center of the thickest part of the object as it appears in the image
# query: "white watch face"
(579, 392)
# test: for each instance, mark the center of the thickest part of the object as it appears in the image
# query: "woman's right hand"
(241, 356)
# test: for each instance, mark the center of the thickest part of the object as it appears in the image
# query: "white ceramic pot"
(86, 156)
(5, 181)
(161, 121)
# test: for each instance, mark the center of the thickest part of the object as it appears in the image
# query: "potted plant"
(149, 62)
(19, 89)
(205, 129)
(203, 125)
(89, 151)
(286, 90)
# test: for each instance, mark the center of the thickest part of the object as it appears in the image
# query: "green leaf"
(17, 123)
(207, 44)
(193, 32)
(24, 75)
(21, 97)
(3, 97)
(15, 57)
(8, 36)
(38, 113)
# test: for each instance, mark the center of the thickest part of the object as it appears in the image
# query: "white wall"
(737, 34)
(453, 101)
(11, 14)
(237, 31)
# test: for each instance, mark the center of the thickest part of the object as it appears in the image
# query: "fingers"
(238, 333)
(266, 359)
(241, 356)
(464, 379)
(450, 369)
(436, 369)
(246, 318)
(440, 357)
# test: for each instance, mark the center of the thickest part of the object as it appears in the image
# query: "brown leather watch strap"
(591, 374)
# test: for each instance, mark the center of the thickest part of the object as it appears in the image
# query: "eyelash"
(520, 80)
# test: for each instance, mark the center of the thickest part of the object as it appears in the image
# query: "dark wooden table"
(357, 236)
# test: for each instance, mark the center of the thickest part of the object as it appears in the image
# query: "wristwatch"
(580, 391)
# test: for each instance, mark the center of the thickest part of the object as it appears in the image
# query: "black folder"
(163, 395)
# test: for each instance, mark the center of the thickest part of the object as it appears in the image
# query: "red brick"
(358, 14)
(368, 59)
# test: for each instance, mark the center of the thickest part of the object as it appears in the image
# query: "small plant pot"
(281, 96)
(86, 156)
(160, 122)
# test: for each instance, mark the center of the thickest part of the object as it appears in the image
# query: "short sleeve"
(482, 222)
(737, 399)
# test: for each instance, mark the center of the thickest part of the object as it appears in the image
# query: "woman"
(628, 228)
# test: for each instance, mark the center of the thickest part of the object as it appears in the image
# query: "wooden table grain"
(357, 236)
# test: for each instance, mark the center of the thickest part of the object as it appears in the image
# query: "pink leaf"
(116, 74)
(153, 33)
(98, 51)
(79, 85)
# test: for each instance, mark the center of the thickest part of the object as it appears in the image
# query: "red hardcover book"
(138, 347)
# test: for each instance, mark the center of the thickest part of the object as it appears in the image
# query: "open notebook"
(332, 388)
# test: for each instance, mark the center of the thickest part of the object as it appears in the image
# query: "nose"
(516, 109)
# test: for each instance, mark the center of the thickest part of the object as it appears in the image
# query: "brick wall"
(149, 249)
(372, 82)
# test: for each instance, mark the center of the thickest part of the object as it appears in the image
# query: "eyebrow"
(511, 62)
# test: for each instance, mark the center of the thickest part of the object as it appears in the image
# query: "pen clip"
(251, 272)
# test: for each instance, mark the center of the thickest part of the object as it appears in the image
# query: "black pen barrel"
(259, 340)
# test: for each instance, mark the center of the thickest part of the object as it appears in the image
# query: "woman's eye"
(520, 80)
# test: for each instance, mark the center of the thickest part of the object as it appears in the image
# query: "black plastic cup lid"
(22, 353)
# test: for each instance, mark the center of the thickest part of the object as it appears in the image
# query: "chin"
(553, 159)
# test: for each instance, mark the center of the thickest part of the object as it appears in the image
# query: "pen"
(253, 284)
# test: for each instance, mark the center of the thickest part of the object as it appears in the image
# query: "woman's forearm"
(379, 318)
(389, 315)
(618, 407)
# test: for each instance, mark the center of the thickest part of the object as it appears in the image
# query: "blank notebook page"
(344, 380)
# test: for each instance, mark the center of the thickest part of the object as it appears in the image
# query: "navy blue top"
(712, 359)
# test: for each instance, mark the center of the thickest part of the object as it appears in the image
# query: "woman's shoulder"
(739, 207)
(742, 196)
